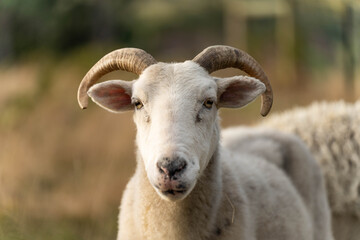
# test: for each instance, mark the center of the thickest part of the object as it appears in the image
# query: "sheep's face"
(177, 126)
(176, 117)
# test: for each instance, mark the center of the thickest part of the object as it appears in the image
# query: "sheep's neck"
(192, 218)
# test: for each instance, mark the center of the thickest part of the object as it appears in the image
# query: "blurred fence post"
(238, 13)
(235, 24)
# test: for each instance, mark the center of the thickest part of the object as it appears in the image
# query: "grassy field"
(63, 170)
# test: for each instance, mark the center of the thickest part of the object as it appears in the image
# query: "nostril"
(182, 165)
(171, 167)
(163, 170)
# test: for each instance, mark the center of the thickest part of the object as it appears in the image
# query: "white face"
(176, 119)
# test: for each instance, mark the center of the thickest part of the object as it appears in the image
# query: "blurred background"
(63, 170)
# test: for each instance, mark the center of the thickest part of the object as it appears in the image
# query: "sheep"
(290, 154)
(186, 184)
(332, 132)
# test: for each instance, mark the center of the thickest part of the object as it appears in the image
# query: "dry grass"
(59, 164)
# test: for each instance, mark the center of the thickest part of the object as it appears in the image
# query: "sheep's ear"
(113, 95)
(235, 92)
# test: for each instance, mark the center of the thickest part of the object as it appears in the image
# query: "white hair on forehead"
(185, 76)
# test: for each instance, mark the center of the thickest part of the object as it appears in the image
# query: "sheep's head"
(175, 108)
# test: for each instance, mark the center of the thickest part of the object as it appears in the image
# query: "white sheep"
(332, 132)
(186, 185)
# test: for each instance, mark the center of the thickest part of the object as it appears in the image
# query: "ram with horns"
(186, 184)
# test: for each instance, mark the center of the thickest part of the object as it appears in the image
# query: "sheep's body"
(332, 132)
(290, 154)
(240, 196)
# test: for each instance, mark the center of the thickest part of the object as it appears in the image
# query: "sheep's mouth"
(174, 192)
(171, 188)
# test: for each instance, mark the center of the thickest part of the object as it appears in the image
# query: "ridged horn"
(127, 59)
(220, 57)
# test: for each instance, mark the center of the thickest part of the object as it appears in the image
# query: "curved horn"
(127, 59)
(219, 57)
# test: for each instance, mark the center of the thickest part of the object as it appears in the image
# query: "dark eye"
(138, 104)
(208, 103)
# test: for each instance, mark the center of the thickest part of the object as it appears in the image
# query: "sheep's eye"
(208, 103)
(138, 104)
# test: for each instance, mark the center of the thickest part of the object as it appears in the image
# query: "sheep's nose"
(171, 167)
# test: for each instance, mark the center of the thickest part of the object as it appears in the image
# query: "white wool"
(332, 132)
